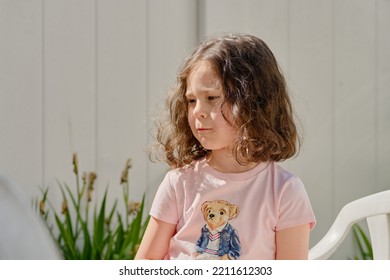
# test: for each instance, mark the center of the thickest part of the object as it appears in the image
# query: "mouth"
(201, 129)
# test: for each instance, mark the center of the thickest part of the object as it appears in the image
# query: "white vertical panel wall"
(265, 18)
(89, 76)
(310, 80)
(354, 100)
(383, 94)
(69, 88)
(122, 93)
(172, 33)
(21, 96)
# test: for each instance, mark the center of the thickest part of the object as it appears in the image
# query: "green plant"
(105, 233)
(362, 242)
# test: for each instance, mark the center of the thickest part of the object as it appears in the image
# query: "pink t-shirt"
(234, 215)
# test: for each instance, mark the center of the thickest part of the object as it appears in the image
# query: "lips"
(200, 129)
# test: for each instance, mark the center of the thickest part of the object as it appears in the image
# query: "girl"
(230, 121)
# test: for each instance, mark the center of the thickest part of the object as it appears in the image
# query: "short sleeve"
(294, 206)
(164, 206)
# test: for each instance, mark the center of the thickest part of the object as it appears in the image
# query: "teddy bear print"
(218, 239)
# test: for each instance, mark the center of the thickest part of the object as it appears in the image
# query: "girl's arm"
(293, 243)
(155, 242)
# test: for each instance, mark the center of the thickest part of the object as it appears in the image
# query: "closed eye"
(189, 100)
(211, 98)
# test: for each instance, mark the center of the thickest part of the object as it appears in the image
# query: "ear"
(233, 211)
(204, 206)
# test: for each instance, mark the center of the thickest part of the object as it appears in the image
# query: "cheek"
(191, 120)
(190, 115)
(225, 119)
(226, 128)
(229, 112)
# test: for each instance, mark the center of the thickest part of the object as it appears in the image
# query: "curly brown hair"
(253, 85)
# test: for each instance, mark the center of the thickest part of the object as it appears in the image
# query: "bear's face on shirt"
(217, 212)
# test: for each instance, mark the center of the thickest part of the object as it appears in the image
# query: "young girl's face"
(205, 96)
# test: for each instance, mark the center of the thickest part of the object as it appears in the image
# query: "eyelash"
(190, 100)
(209, 98)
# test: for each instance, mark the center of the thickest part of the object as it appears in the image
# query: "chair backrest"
(23, 235)
(375, 209)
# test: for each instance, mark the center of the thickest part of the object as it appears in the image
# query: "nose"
(211, 216)
(200, 110)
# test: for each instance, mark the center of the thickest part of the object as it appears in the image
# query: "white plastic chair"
(375, 209)
(23, 235)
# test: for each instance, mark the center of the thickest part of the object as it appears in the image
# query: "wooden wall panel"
(21, 127)
(354, 74)
(172, 34)
(122, 94)
(69, 87)
(383, 95)
(266, 19)
(310, 72)
(354, 105)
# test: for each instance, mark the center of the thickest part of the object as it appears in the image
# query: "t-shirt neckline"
(233, 176)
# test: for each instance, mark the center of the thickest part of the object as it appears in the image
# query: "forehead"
(203, 77)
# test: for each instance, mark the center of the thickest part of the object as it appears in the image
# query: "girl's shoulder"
(283, 173)
(189, 169)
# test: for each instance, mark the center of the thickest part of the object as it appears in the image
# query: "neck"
(225, 162)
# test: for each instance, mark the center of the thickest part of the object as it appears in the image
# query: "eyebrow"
(205, 90)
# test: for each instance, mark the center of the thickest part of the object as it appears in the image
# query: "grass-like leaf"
(105, 234)
(363, 243)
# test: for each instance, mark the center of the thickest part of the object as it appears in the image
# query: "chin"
(208, 145)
